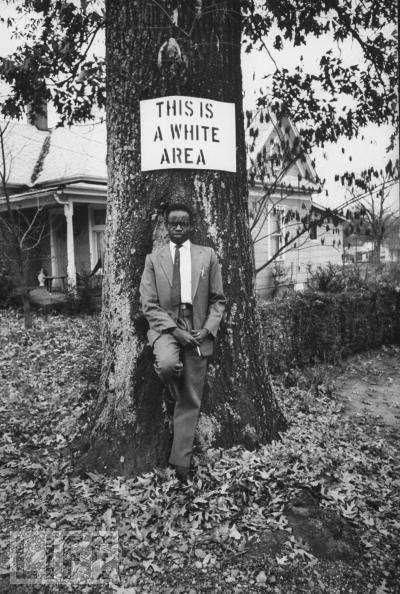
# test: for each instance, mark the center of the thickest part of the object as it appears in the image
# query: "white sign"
(187, 133)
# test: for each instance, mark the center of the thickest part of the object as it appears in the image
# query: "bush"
(281, 285)
(358, 277)
(85, 299)
(6, 286)
(305, 328)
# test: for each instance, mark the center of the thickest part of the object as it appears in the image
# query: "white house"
(63, 172)
(363, 251)
(280, 197)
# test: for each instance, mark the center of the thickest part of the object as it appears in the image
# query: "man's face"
(178, 226)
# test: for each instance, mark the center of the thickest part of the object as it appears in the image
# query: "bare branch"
(35, 245)
(30, 226)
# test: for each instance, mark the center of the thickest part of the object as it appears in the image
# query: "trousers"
(183, 371)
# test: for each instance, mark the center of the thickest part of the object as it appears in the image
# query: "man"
(182, 299)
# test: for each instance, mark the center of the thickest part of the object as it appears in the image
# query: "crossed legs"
(185, 379)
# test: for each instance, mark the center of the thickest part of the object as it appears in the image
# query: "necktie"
(176, 278)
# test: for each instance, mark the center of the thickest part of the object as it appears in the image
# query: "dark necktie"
(176, 278)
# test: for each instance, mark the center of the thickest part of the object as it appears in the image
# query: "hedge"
(305, 328)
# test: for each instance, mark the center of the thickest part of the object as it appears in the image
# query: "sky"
(370, 150)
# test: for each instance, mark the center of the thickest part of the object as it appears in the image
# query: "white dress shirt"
(185, 269)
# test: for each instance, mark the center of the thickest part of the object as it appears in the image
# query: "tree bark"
(377, 250)
(131, 431)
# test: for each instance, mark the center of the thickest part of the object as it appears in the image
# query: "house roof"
(328, 210)
(79, 151)
(41, 158)
(23, 144)
(262, 136)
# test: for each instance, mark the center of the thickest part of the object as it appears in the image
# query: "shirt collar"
(185, 244)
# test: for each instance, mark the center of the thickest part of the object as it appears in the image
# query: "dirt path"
(371, 385)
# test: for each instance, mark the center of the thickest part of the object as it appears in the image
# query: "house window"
(99, 216)
(98, 221)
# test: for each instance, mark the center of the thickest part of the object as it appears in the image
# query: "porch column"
(71, 269)
(52, 248)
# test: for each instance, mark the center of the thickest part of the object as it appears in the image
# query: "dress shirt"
(185, 270)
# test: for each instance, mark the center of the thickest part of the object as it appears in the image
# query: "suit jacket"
(208, 298)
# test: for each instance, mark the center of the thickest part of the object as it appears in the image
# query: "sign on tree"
(180, 132)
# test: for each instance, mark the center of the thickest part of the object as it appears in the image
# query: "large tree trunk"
(131, 432)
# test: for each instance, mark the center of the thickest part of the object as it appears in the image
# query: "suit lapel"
(196, 256)
(166, 263)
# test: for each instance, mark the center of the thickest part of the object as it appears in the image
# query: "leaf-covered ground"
(317, 512)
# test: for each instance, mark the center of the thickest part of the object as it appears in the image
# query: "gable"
(265, 140)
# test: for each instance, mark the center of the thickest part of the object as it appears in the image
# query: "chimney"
(37, 115)
(37, 110)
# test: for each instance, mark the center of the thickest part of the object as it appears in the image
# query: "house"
(62, 171)
(362, 251)
(280, 196)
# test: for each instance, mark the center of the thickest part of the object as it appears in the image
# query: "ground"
(318, 511)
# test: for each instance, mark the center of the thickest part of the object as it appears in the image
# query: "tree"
(21, 232)
(205, 61)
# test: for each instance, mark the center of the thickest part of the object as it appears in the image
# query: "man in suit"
(183, 301)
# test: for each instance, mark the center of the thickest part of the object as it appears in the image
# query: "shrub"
(358, 277)
(6, 286)
(281, 284)
(87, 298)
(309, 327)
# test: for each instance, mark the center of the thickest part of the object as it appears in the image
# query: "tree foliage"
(334, 97)
(54, 60)
(340, 96)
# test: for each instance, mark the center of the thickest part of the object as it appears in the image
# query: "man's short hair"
(179, 206)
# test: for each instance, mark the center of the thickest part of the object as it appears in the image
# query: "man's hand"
(185, 338)
(200, 335)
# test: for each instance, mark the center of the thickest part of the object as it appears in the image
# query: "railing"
(49, 280)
